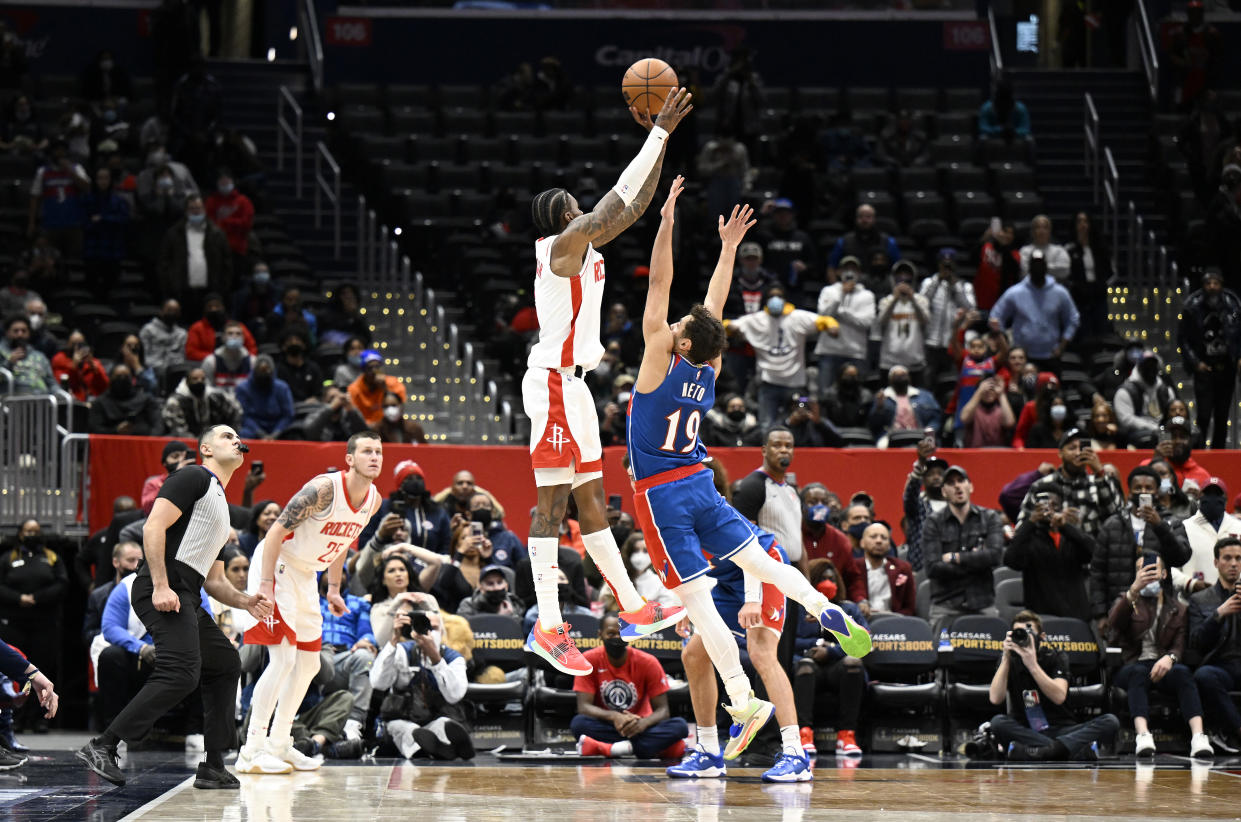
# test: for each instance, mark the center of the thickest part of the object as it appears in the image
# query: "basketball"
(646, 84)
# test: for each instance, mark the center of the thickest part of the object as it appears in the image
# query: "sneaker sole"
(255, 770)
(312, 766)
(541, 652)
(213, 785)
(803, 776)
(709, 773)
(856, 753)
(853, 638)
(749, 730)
(11, 765)
(631, 631)
(86, 761)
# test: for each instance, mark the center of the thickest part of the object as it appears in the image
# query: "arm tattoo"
(618, 216)
(315, 497)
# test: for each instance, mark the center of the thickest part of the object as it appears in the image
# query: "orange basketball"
(646, 84)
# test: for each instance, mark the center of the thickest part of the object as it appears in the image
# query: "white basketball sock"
(602, 548)
(305, 670)
(790, 737)
(622, 748)
(718, 640)
(754, 560)
(543, 551)
(709, 739)
(281, 660)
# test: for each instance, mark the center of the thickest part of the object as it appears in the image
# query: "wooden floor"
(616, 793)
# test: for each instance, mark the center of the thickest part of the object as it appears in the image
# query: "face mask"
(169, 319)
(35, 321)
(482, 515)
(1213, 301)
(197, 388)
(1059, 412)
(1180, 452)
(623, 398)
(30, 540)
(495, 596)
(157, 158)
(858, 529)
(262, 278)
(775, 306)
(234, 343)
(226, 189)
(1148, 372)
(1165, 486)
(121, 389)
(263, 381)
(563, 592)
(392, 413)
(1212, 506)
(196, 219)
(640, 560)
(900, 384)
(827, 588)
(22, 114)
(817, 513)
(1151, 590)
(615, 645)
(165, 183)
(414, 487)
(355, 360)
(737, 414)
(295, 351)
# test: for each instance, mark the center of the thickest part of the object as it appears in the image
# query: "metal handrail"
(1111, 203)
(1090, 146)
(291, 130)
(330, 189)
(1150, 53)
(6, 376)
(997, 59)
(314, 43)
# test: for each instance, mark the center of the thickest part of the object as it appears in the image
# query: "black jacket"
(38, 571)
(966, 584)
(1210, 637)
(141, 410)
(1114, 565)
(1054, 577)
(1210, 335)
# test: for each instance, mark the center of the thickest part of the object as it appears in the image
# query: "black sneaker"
(346, 749)
(306, 747)
(9, 740)
(1225, 743)
(459, 738)
(430, 743)
(208, 778)
(101, 759)
(10, 759)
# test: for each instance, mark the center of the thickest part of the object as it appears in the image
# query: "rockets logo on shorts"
(558, 440)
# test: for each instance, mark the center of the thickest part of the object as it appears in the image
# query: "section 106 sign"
(347, 31)
(966, 35)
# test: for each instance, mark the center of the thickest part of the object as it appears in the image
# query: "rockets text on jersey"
(568, 310)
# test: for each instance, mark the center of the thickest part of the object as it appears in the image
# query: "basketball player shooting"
(675, 500)
(564, 433)
(312, 534)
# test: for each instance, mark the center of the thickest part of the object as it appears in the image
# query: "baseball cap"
(498, 569)
(1216, 484)
(903, 265)
(782, 202)
(862, 498)
(403, 470)
(750, 250)
(173, 447)
(1179, 422)
(947, 253)
(622, 381)
(937, 462)
(1072, 435)
(956, 469)
(850, 260)
(1213, 273)
(370, 355)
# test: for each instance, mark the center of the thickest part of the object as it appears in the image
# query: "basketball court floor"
(905, 788)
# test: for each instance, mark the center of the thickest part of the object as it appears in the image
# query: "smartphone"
(256, 467)
(399, 506)
(476, 530)
(995, 225)
(1149, 558)
(1145, 500)
(1042, 497)
(614, 502)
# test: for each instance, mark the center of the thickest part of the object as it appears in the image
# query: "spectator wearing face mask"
(367, 392)
(1039, 311)
(334, 419)
(750, 281)
(303, 375)
(79, 370)
(1051, 422)
(853, 306)
(428, 524)
(163, 339)
(506, 548)
(126, 408)
(1043, 387)
(949, 298)
(266, 401)
(1142, 399)
(900, 324)
(788, 250)
(351, 368)
(194, 259)
(492, 597)
(257, 298)
(637, 562)
(1207, 526)
(233, 212)
(901, 407)
(231, 363)
(396, 425)
(195, 405)
(863, 243)
(779, 334)
(822, 540)
(1209, 338)
(1053, 554)
(1176, 446)
(731, 425)
(174, 455)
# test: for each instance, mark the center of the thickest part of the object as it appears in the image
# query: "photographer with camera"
(1034, 680)
(427, 522)
(425, 682)
(1149, 624)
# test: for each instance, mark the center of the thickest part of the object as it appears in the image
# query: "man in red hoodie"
(233, 212)
(206, 335)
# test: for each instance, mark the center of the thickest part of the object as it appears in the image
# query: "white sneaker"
(194, 743)
(1144, 745)
(296, 758)
(353, 729)
(1200, 747)
(260, 762)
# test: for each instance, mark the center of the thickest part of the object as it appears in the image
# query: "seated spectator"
(923, 496)
(854, 521)
(103, 79)
(1150, 625)
(207, 334)
(371, 563)
(291, 314)
(902, 144)
(458, 579)
(15, 296)
(334, 419)
(999, 265)
(572, 602)
(890, 584)
(1179, 408)
(901, 407)
(1203, 529)
(961, 544)
(266, 402)
(1142, 400)
(1104, 429)
(1096, 494)
(1152, 530)
(350, 645)
(788, 250)
(257, 298)
(847, 402)
(1175, 445)
(126, 556)
(368, 390)
(900, 325)
(637, 564)
(231, 363)
(40, 336)
(492, 597)
(1003, 117)
(194, 406)
(1047, 389)
(237, 572)
(1053, 554)
(730, 424)
(396, 583)
(194, 259)
(822, 540)
(21, 132)
(131, 354)
(457, 499)
(619, 328)
(853, 306)
(351, 368)
(163, 339)
(427, 523)
(506, 548)
(106, 218)
(622, 706)
(1040, 312)
(1214, 637)
(425, 681)
(233, 212)
(1054, 255)
(303, 375)
(987, 418)
(32, 373)
(808, 428)
(126, 408)
(823, 674)
(1051, 422)
(55, 200)
(78, 370)
(176, 455)
(343, 321)
(396, 425)
(1034, 672)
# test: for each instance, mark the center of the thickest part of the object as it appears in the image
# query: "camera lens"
(1021, 637)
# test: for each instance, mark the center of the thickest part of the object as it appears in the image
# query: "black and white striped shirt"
(197, 538)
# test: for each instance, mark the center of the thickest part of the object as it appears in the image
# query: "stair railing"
(1090, 146)
(1148, 48)
(328, 187)
(314, 43)
(1111, 203)
(287, 105)
(997, 58)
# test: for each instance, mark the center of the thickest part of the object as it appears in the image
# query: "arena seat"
(1078, 641)
(922, 604)
(1009, 598)
(499, 641)
(904, 695)
(1003, 572)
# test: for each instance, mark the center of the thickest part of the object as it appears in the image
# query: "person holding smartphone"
(460, 579)
(32, 372)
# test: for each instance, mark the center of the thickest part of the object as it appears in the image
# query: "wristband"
(30, 676)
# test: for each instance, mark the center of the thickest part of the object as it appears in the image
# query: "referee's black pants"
(189, 647)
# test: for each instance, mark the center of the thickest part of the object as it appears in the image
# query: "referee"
(183, 542)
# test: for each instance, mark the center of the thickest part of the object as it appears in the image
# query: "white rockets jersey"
(319, 540)
(568, 310)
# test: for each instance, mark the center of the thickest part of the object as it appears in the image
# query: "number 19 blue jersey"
(663, 425)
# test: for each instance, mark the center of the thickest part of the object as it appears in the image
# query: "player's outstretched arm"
(731, 233)
(314, 498)
(627, 201)
(655, 331)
